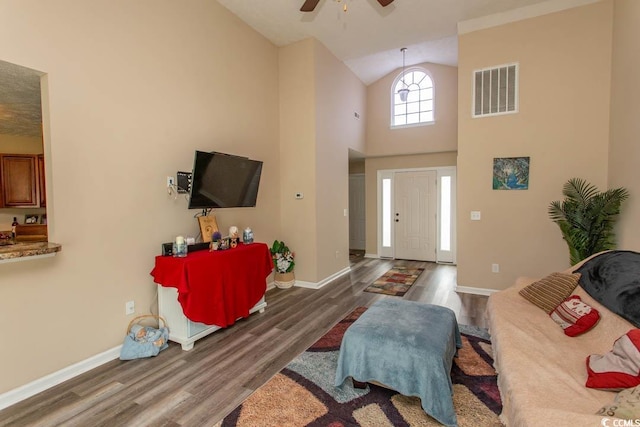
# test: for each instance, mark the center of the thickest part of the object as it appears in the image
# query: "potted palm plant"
(587, 217)
(284, 263)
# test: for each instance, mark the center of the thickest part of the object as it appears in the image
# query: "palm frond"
(586, 217)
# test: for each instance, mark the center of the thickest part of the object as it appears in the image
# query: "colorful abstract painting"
(511, 173)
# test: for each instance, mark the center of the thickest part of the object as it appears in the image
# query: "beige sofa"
(541, 371)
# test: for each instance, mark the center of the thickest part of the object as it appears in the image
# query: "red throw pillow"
(575, 316)
(619, 368)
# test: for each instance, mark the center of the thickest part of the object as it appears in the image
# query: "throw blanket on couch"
(613, 279)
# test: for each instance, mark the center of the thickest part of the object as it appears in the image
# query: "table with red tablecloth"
(217, 287)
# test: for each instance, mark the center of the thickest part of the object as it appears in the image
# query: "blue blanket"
(407, 346)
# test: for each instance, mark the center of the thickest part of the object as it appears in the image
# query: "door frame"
(387, 251)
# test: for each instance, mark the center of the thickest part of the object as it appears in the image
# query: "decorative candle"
(180, 247)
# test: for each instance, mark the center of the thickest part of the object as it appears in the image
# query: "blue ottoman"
(408, 347)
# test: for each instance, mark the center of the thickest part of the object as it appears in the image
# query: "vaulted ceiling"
(368, 37)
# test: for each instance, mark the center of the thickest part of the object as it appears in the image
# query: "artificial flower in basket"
(284, 263)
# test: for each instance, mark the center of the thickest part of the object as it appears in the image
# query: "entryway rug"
(303, 394)
(396, 281)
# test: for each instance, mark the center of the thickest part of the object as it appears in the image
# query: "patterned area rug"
(303, 394)
(396, 281)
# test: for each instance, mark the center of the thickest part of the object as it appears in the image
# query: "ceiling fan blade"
(384, 3)
(309, 5)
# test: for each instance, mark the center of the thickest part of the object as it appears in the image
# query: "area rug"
(303, 394)
(396, 281)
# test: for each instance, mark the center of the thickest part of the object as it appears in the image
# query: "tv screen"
(222, 180)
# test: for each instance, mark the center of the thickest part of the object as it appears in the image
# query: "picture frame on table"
(31, 219)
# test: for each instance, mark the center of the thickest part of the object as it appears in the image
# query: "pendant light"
(404, 92)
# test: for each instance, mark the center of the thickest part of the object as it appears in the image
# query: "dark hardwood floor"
(199, 387)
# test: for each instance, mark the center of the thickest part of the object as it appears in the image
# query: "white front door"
(415, 215)
(357, 229)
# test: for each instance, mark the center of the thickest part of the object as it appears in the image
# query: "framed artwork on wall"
(511, 173)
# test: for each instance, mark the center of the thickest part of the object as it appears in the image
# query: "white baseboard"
(318, 285)
(371, 256)
(475, 291)
(23, 392)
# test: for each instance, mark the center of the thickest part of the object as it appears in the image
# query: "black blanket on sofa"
(613, 279)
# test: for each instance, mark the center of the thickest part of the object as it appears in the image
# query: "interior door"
(356, 212)
(415, 215)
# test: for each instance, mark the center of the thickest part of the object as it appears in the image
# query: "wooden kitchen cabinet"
(21, 186)
(42, 193)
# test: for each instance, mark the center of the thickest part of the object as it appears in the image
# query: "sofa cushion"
(574, 316)
(549, 292)
(613, 279)
(619, 368)
(625, 405)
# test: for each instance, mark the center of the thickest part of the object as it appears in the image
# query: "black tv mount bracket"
(184, 182)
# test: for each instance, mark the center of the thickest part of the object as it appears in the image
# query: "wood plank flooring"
(199, 387)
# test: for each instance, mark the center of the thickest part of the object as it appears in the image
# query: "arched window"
(417, 108)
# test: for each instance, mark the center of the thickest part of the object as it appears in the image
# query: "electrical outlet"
(495, 268)
(171, 181)
(129, 307)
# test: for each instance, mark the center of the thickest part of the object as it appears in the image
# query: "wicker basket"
(284, 280)
(138, 319)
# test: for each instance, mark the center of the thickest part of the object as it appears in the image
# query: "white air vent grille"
(495, 91)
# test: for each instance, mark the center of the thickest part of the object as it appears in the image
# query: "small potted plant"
(284, 263)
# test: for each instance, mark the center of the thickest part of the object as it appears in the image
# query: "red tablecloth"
(218, 287)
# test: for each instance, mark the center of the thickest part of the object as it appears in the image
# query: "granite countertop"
(28, 249)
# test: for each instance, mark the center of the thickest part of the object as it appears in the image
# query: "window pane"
(400, 120)
(413, 107)
(401, 109)
(413, 118)
(445, 213)
(426, 106)
(386, 212)
(414, 95)
(426, 93)
(426, 116)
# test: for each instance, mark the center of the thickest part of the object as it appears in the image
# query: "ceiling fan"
(310, 5)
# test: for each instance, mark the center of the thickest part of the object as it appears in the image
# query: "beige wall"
(131, 95)
(563, 125)
(625, 111)
(318, 97)
(339, 93)
(438, 137)
(297, 152)
(375, 164)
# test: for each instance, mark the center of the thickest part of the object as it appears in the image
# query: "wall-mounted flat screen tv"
(222, 180)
